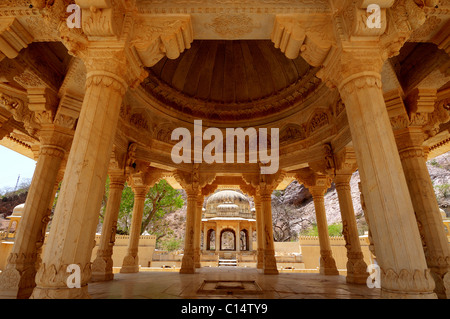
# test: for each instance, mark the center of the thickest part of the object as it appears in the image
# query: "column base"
(357, 270)
(130, 265)
(187, 264)
(271, 271)
(61, 293)
(357, 279)
(187, 271)
(102, 269)
(270, 264)
(197, 256)
(129, 269)
(260, 259)
(327, 264)
(442, 282)
(15, 284)
(407, 284)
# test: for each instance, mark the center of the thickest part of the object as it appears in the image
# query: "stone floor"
(170, 285)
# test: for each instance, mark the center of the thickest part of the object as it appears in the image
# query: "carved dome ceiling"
(231, 80)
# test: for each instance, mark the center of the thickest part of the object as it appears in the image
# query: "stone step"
(227, 262)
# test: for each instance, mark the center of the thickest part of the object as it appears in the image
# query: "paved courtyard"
(231, 283)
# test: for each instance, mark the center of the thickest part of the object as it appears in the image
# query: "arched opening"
(228, 240)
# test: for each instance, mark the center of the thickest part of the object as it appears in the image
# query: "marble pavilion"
(103, 100)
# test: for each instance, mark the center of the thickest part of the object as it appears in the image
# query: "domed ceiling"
(231, 80)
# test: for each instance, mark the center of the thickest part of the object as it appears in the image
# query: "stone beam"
(13, 37)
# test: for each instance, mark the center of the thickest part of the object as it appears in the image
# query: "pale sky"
(12, 165)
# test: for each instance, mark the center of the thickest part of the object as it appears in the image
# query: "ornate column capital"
(353, 69)
(317, 184)
(54, 137)
(193, 182)
(141, 181)
(361, 50)
(409, 142)
(346, 165)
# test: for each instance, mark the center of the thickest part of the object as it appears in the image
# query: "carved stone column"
(270, 263)
(404, 272)
(217, 243)
(192, 182)
(187, 263)
(102, 267)
(72, 235)
(238, 238)
(426, 208)
(327, 262)
(131, 260)
(18, 279)
(250, 238)
(206, 240)
(47, 218)
(345, 167)
(259, 233)
(356, 266)
(198, 232)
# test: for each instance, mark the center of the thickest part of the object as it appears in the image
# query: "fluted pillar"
(102, 267)
(217, 242)
(250, 238)
(18, 279)
(259, 233)
(187, 263)
(238, 238)
(270, 263)
(206, 243)
(71, 238)
(356, 266)
(404, 272)
(198, 232)
(47, 218)
(327, 262)
(426, 208)
(130, 262)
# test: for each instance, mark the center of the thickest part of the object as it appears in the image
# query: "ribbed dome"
(228, 203)
(226, 197)
(230, 80)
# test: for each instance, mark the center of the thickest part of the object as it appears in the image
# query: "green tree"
(172, 244)
(160, 200)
